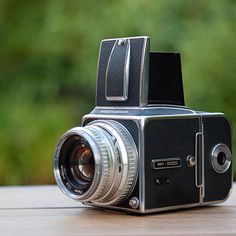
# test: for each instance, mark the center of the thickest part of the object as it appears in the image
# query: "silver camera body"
(141, 149)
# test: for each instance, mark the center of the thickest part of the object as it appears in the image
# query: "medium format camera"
(141, 149)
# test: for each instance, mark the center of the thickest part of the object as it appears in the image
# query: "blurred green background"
(48, 59)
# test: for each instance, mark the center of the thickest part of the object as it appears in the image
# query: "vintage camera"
(141, 150)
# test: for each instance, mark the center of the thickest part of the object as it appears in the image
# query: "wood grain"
(44, 210)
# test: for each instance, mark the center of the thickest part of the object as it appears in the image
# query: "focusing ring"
(117, 130)
(132, 157)
(105, 156)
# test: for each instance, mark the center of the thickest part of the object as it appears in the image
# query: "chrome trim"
(116, 208)
(184, 206)
(136, 117)
(135, 37)
(170, 208)
(168, 106)
(160, 106)
(110, 117)
(219, 201)
(97, 72)
(196, 158)
(166, 159)
(202, 189)
(126, 72)
(147, 211)
(200, 186)
(142, 166)
(160, 209)
(144, 73)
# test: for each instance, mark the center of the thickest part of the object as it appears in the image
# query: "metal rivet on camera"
(191, 161)
(134, 202)
(122, 42)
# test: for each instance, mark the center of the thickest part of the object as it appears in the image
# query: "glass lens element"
(82, 163)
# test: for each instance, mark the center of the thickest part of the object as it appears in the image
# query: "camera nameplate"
(166, 163)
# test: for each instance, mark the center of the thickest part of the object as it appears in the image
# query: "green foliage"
(48, 62)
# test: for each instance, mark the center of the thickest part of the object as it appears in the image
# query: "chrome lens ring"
(100, 171)
(112, 167)
(126, 171)
(107, 161)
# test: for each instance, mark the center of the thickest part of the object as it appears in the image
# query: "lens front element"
(97, 163)
(82, 163)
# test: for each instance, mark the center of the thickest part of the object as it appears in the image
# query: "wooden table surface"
(44, 210)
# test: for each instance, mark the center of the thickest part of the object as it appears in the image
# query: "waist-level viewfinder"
(130, 75)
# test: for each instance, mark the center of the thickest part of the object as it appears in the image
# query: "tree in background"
(48, 62)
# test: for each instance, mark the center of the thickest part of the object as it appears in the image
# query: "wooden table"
(44, 210)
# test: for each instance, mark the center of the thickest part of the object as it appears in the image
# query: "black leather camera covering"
(170, 138)
(216, 130)
(115, 74)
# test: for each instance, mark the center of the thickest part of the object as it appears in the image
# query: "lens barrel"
(97, 163)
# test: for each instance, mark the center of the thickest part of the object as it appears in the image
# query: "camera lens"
(97, 163)
(77, 163)
(221, 158)
(81, 162)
